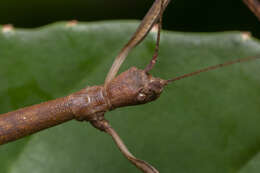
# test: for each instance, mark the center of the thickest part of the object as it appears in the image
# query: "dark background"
(181, 15)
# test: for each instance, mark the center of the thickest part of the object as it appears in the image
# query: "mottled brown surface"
(88, 102)
(132, 87)
(23, 122)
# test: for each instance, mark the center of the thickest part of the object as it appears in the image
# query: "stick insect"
(132, 87)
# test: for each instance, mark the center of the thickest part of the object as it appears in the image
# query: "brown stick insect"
(132, 87)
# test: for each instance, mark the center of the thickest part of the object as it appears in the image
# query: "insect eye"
(141, 97)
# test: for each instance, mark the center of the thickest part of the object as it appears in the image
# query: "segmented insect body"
(132, 87)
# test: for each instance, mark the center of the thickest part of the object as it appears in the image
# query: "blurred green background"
(181, 15)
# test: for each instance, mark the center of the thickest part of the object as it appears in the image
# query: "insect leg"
(142, 165)
(155, 55)
(144, 28)
(254, 6)
(102, 124)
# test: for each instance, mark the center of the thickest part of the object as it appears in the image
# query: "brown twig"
(254, 6)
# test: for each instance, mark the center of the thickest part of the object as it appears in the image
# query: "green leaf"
(206, 123)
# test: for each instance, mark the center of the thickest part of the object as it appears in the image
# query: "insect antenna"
(212, 68)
